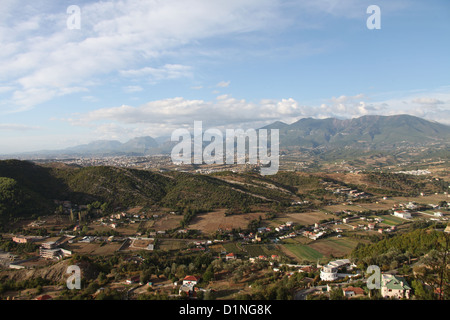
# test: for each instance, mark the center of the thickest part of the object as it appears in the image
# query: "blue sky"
(137, 68)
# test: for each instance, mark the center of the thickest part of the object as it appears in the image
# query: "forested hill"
(27, 188)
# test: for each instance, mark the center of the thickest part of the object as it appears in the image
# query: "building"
(394, 287)
(191, 280)
(411, 206)
(134, 279)
(55, 253)
(402, 214)
(447, 229)
(49, 245)
(352, 291)
(230, 256)
(329, 272)
(23, 239)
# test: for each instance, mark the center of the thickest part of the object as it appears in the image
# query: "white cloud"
(223, 84)
(90, 99)
(17, 127)
(168, 71)
(226, 111)
(6, 89)
(132, 89)
(427, 101)
(176, 112)
(42, 57)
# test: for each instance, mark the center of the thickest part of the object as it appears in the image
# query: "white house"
(411, 206)
(394, 287)
(329, 272)
(190, 280)
(402, 214)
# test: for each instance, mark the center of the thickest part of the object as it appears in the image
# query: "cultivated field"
(306, 218)
(303, 252)
(232, 247)
(391, 220)
(212, 221)
(95, 249)
(169, 244)
(304, 249)
(255, 250)
(167, 222)
(141, 243)
(338, 247)
(217, 248)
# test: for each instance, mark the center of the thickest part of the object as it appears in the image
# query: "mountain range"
(367, 132)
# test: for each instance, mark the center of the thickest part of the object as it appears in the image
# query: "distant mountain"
(99, 146)
(367, 132)
(137, 146)
(142, 145)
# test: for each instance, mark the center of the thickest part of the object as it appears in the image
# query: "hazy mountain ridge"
(366, 132)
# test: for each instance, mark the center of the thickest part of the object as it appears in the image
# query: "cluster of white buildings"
(415, 172)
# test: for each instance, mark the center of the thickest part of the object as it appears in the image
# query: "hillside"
(367, 132)
(27, 188)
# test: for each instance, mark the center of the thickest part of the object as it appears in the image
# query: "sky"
(75, 71)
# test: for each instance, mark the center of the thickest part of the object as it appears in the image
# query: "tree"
(39, 289)
(337, 294)
(437, 273)
(105, 207)
(420, 291)
(209, 295)
(209, 274)
(145, 276)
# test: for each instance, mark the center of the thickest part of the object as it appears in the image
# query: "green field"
(255, 250)
(232, 247)
(169, 245)
(333, 246)
(304, 252)
(391, 220)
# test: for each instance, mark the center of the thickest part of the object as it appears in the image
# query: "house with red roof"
(230, 256)
(352, 291)
(191, 280)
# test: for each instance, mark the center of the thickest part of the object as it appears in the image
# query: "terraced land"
(255, 250)
(303, 252)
